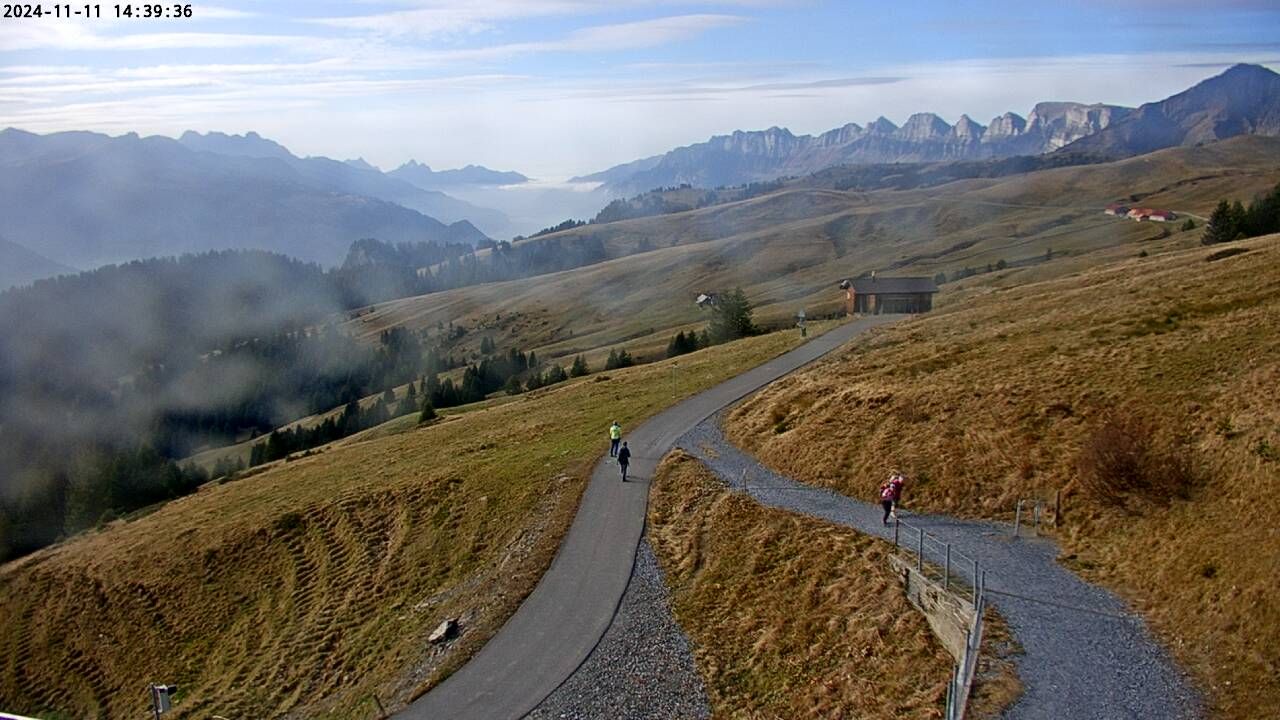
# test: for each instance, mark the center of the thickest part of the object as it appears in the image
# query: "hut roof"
(877, 285)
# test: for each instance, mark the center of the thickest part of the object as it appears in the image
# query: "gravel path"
(642, 669)
(1086, 655)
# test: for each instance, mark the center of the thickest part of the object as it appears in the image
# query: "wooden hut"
(873, 295)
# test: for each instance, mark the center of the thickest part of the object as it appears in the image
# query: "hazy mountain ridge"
(423, 176)
(620, 172)
(1242, 100)
(356, 178)
(20, 265)
(85, 199)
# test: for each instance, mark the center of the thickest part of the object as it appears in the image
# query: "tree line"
(1234, 221)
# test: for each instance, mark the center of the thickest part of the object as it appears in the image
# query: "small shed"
(873, 295)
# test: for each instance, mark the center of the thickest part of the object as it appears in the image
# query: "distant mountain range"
(352, 177)
(424, 177)
(83, 199)
(1242, 100)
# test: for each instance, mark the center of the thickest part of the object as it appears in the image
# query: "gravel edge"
(643, 667)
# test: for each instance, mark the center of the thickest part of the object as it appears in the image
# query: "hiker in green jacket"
(615, 436)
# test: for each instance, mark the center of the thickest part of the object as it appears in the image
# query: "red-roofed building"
(1141, 214)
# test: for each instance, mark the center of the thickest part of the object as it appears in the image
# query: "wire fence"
(948, 575)
(961, 577)
(965, 670)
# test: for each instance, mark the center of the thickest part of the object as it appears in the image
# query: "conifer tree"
(513, 386)
(1222, 227)
(731, 317)
(428, 412)
(554, 375)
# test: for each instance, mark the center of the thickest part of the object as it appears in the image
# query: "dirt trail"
(1087, 656)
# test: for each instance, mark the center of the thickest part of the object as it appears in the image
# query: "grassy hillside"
(789, 249)
(790, 616)
(1145, 390)
(308, 588)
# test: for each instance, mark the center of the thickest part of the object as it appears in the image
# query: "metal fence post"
(1017, 518)
(975, 583)
(946, 570)
(896, 522)
(1036, 514)
(920, 554)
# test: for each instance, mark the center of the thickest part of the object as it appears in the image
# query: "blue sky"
(559, 87)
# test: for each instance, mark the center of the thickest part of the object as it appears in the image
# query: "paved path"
(1086, 656)
(557, 626)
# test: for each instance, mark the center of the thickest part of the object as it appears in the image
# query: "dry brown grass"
(789, 616)
(991, 399)
(305, 589)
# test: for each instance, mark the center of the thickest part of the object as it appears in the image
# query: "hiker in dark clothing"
(624, 459)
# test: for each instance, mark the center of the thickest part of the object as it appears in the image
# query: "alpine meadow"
(425, 359)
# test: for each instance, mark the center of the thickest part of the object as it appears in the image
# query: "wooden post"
(1017, 518)
(975, 583)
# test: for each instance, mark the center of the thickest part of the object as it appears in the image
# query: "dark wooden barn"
(873, 295)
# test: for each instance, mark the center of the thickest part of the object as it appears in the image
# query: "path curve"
(1086, 655)
(561, 621)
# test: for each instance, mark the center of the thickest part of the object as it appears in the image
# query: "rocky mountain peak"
(881, 126)
(966, 129)
(1062, 123)
(925, 126)
(361, 164)
(840, 136)
(774, 142)
(1007, 125)
(1244, 99)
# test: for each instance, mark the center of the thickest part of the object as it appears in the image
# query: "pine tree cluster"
(1233, 221)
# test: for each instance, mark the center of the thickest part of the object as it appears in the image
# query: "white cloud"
(215, 12)
(449, 18)
(71, 36)
(645, 33)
